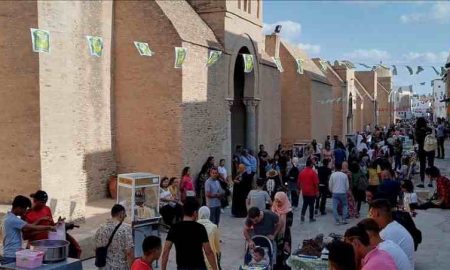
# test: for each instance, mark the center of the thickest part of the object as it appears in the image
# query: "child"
(151, 247)
(258, 257)
(374, 180)
(410, 201)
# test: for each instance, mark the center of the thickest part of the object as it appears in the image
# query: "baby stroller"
(267, 245)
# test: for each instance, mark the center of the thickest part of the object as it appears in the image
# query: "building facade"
(439, 105)
(402, 103)
(73, 119)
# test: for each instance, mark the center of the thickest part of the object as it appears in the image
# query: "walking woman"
(282, 207)
(421, 132)
(352, 211)
(213, 234)
(201, 179)
(238, 207)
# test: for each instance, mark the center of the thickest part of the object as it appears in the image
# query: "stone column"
(230, 103)
(250, 132)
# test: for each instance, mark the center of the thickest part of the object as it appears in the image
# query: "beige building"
(72, 119)
(385, 104)
(366, 81)
(303, 116)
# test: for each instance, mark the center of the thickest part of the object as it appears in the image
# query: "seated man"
(39, 214)
(441, 199)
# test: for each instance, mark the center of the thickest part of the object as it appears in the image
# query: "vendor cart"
(139, 194)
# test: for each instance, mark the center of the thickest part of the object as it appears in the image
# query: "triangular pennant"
(143, 48)
(436, 71)
(180, 56)
(423, 83)
(364, 65)
(299, 62)
(277, 61)
(443, 71)
(40, 40)
(248, 62)
(394, 70)
(323, 65)
(383, 66)
(411, 72)
(213, 57)
(95, 45)
(419, 69)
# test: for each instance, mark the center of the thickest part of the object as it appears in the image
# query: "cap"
(40, 196)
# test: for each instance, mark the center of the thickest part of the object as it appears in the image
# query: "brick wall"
(19, 103)
(383, 101)
(147, 91)
(368, 80)
(321, 113)
(76, 150)
(338, 119)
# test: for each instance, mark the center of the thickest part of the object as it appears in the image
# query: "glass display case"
(139, 194)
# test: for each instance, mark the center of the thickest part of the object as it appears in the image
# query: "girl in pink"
(187, 185)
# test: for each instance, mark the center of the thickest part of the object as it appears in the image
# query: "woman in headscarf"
(282, 207)
(352, 211)
(213, 234)
(238, 207)
(201, 179)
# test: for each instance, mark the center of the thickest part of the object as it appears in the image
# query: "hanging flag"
(419, 69)
(394, 70)
(443, 71)
(349, 64)
(411, 72)
(95, 45)
(277, 61)
(143, 48)
(299, 65)
(248, 62)
(422, 83)
(40, 40)
(213, 57)
(364, 65)
(383, 66)
(180, 56)
(436, 71)
(323, 65)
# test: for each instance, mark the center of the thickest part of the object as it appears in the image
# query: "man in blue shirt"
(339, 154)
(214, 194)
(13, 226)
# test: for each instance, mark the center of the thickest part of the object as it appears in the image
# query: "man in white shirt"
(399, 256)
(380, 211)
(339, 186)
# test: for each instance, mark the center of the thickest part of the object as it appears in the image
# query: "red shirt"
(139, 264)
(443, 190)
(308, 182)
(32, 216)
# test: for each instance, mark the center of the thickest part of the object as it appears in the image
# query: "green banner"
(40, 40)
(95, 45)
(248, 62)
(277, 61)
(143, 48)
(300, 65)
(213, 57)
(180, 56)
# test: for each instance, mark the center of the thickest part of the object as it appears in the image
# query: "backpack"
(430, 143)
(363, 183)
(404, 218)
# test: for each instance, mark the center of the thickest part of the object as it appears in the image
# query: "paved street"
(432, 254)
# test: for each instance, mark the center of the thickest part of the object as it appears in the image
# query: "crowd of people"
(371, 167)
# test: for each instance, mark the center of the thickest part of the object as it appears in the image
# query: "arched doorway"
(238, 111)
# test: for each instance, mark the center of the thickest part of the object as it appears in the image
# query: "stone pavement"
(431, 255)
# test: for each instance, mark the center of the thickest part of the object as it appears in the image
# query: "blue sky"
(403, 33)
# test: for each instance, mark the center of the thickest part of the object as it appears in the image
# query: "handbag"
(101, 252)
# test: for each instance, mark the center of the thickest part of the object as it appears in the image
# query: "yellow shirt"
(373, 177)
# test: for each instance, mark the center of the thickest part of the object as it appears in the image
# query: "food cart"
(139, 194)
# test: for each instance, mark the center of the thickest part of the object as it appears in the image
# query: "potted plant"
(112, 185)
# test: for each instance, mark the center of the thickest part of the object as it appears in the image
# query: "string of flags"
(41, 42)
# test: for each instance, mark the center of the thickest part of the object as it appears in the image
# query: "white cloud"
(290, 30)
(310, 48)
(438, 12)
(425, 57)
(374, 55)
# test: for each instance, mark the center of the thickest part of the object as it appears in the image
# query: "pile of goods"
(312, 255)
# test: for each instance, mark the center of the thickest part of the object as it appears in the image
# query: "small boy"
(258, 197)
(258, 257)
(151, 247)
